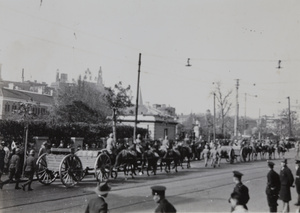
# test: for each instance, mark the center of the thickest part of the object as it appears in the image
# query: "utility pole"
(137, 99)
(259, 128)
(289, 114)
(236, 109)
(245, 121)
(214, 118)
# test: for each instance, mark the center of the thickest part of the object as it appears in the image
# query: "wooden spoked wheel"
(44, 174)
(70, 170)
(102, 167)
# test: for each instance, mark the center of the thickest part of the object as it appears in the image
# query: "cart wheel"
(43, 173)
(102, 167)
(70, 170)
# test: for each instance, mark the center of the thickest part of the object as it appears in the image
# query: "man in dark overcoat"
(297, 181)
(164, 205)
(273, 188)
(240, 189)
(98, 204)
(286, 181)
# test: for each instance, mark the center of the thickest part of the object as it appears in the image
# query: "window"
(43, 111)
(7, 107)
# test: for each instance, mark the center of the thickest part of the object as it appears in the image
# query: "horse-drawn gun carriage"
(71, 167)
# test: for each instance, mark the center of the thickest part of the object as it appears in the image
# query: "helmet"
(32, 152)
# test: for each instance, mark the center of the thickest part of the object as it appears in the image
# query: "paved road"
(197, 189)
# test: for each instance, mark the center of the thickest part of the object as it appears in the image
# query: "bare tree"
(223, 103)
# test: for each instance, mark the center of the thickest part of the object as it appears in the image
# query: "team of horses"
(132, 159)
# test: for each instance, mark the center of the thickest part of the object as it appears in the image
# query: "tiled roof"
(26, 96)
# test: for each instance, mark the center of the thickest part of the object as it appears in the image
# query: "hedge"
(13, 130)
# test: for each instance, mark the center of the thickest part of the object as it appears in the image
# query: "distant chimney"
(23, 75)
(57, 75)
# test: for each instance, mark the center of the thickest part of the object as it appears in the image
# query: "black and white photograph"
(149, 106)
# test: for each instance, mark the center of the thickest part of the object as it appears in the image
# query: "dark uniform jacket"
(165, 207)
(243, 191)
(96, 205)
(273, 185)
(297, 181)
(287, 180)
(14, 162)
(30, 164)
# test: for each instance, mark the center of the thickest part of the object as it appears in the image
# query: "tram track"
(207, 174)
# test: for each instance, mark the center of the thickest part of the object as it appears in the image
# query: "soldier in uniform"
(164, 205)
(29, 170)
(286, 180)
(297, 181)
(98, 204)
(235, 203)
(240, 189)
(14, 170)
(273, 187)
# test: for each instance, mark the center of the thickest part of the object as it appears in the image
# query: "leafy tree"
(118, 99)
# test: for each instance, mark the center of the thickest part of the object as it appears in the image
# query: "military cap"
(284, 161)
(237, 174)
(297, 161)
(270, 163)
(32, 152)
(158, 190)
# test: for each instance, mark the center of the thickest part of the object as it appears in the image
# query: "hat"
(284, 161)
(102, 188)
(237, 174)
(158, 190)
(270, 163)
(32, 152)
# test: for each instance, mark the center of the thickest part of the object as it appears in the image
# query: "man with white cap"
(98, 204)
(29, 170)
(164, 205)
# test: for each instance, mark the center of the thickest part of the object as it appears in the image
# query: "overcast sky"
(225, 40)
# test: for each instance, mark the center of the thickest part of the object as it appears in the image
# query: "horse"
(247, 152)
(168, 157)
(150, 157)
(128, 160)
(185, 153)
(281, 151)
(270, 150)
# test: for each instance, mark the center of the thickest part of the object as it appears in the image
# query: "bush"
(13, 130)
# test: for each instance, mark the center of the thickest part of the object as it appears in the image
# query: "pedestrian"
(14, 170)
(297, 181)
(205, 154)
(240, 189)
(6, 159)
(297, 148)
(286, 181)
(158, 193)
(2, 160)
(99, 204)
(273, 187)
(29, 170)
(235, 203)
(214, 155)
(43, 149)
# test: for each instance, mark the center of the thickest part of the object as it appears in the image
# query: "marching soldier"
(286, 180)
(164, 205)
(14, 170)
(29, 170)
(240, 189)
(273, 188)
(297, 181)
